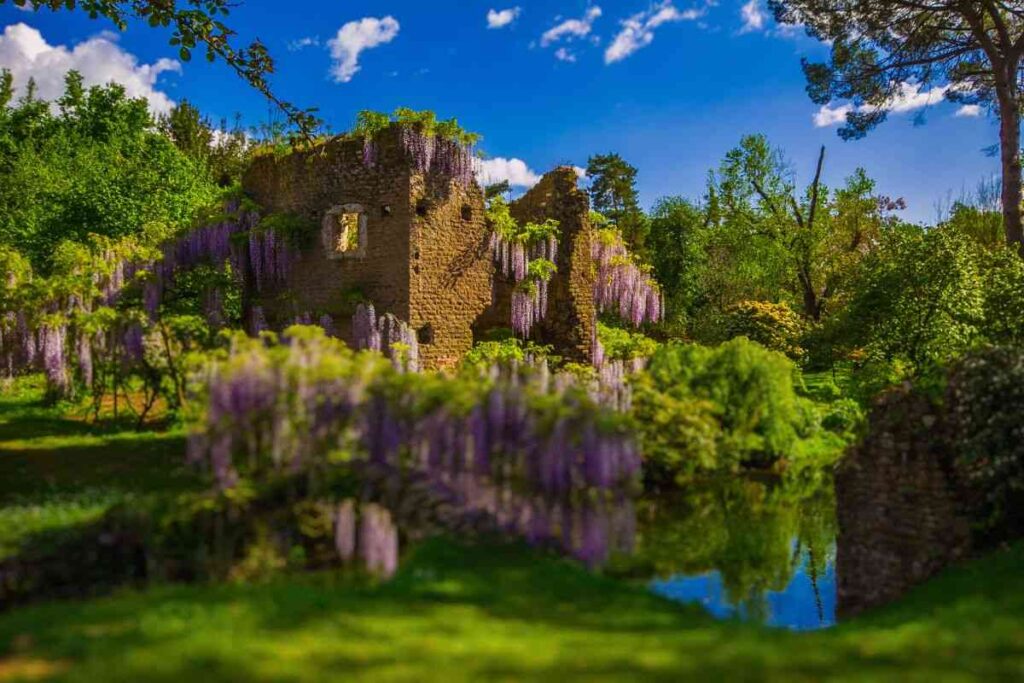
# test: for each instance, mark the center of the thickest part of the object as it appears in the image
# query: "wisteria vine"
(536, 437)
(386, 334)
(623, 287)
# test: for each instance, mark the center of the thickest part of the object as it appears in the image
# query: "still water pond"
(754, 550)
(807, 602)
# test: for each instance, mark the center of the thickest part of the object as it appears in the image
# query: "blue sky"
(669, 85)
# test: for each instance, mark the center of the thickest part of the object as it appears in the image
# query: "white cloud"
(571, 29)
(564, 54)
(580, 172)
(753, 17)
(100, 60)
(831, 116)
(515, 171)
(301, 43)
(909, 97)
(638, 30)
(353, 38)
(969, 111)
(502, 18)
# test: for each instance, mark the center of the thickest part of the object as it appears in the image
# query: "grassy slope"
(454, 612)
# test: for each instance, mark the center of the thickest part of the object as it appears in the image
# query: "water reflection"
(807, 602)
(761, 550)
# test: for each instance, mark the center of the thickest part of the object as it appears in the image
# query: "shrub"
(722, 407)
(620, 344)
(985, 399)
(486, 353)
(774, 326)
(844, 418)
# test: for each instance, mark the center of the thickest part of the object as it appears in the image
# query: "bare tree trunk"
(1009, 141)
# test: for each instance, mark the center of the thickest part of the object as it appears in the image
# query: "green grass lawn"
(57, 469)
(454, 612)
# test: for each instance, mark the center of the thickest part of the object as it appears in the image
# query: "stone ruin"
(416, 244)
(899, 505)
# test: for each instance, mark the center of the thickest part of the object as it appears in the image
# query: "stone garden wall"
(899, 512)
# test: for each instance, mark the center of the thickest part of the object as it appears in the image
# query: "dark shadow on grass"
(146, 464)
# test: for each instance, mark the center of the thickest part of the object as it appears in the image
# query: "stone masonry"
(900, 519)
(422, 251)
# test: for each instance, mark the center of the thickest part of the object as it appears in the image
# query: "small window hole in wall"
(346, 239)
(344, 231)
(385, 210)
(467, 212)
(422, 207)
(425, 335)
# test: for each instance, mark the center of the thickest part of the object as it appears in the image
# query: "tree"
(613, 193)
(98, 167)
(676, 247)
(971, 48)
(817, 237)
(189, 131)
(499, 189)
(919, 298)
(194, 23)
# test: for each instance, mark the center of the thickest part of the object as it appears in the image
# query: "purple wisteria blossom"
(621, 286)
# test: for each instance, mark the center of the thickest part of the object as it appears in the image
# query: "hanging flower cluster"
(433, 146)
(79, 325)
(538, 439)
(590, 528)
(623, 287)
(431, 153)
(368, 533)
(371, 152)
(68, 324)
(237, 239)
(526, 255)
(387, 334)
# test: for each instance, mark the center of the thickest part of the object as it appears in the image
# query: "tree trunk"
(812, 303)
(1009, 142)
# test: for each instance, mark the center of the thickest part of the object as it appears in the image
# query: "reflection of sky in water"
(796, 607)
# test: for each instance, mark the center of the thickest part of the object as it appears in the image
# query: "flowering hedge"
(534, 450)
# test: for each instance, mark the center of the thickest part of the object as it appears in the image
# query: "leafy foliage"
(486, 354)
(800, 246)
(623, 344)
(371, 123)
(774, 326)
(196, 24)
(919, 299)
(701, 408)
(985, 401)
(500, 220)
(96, 167)
(880, 49)
(613, 194)
(677, 249)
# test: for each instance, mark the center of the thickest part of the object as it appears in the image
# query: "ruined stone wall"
(450, 269)
(310, 184)
(899, 517)
(571, 318)
(425, 258)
